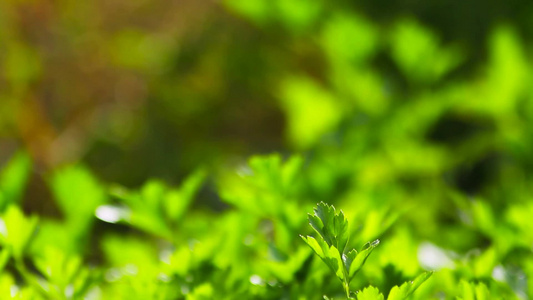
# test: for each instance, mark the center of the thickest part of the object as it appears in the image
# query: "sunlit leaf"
(17, 230)
(369, 293)
(418, 53)
(78, 194)
(357, 262)
(177, 201)
(406, 289)
(311, 111)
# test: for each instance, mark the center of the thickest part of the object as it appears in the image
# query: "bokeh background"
(385, 93)
(140, 89)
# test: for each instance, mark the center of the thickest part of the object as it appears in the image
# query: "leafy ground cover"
(155, 243)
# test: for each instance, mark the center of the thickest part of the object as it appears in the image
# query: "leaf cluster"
(331, 246)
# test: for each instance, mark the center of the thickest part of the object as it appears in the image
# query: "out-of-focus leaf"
(266, 187)
(156, 207)
(311, 110)
(17, 230)
(78, 194)
(130, 252)
(143, 209)
(181, 261)
(483, 216)
(298, 15)
(6, 284)
(473, 291)
(417, 52)
(63, 271)
(348, 38)
(259, 11)
(203, 292)
(13, 179)
(177, 201)
(483, 264)
(508, 74)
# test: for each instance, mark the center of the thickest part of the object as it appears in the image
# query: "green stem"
(346, 281)
(346, 286)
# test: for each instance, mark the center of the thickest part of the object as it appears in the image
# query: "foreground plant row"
(159, 242)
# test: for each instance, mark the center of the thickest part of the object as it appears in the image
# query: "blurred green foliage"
(125, 127)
